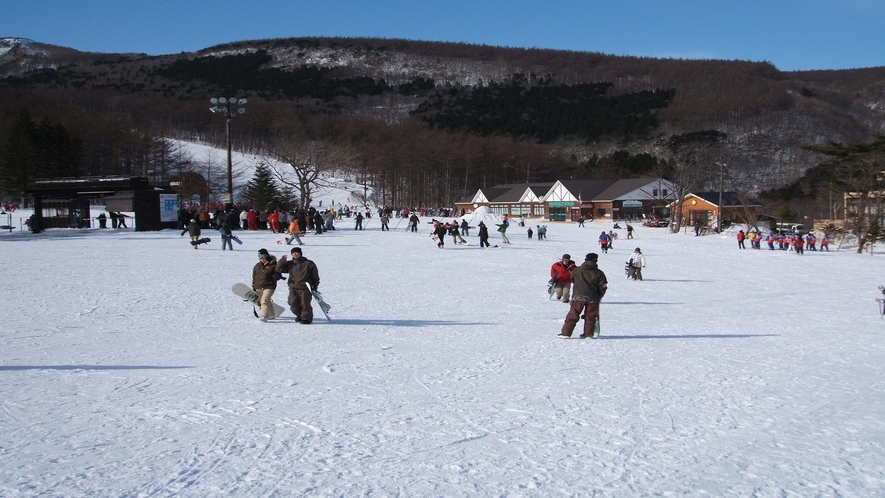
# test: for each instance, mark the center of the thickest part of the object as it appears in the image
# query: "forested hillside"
(427, 123)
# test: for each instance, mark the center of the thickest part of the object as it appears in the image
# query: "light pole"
(719, 207)
(225, 107)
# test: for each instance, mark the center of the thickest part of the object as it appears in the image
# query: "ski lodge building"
(569, 200)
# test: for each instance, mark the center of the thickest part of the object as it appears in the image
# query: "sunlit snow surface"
(128, 368)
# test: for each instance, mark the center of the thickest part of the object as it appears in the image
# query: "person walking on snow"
(483, 235)
(264, 283)
(637, 263)
(590, 285)
(193, 229)
(561, 276)
(300, 270)
(603, 242)
(226, 236)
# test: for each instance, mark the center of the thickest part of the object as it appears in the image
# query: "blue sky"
(792, 34)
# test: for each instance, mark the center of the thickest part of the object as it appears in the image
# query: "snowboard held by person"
(300, 270)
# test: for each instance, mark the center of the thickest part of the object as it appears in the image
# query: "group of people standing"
(794, 242)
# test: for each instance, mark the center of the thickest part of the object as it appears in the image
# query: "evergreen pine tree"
(262, 191)
(19, 157)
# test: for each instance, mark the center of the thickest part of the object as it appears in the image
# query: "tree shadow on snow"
(13, 368)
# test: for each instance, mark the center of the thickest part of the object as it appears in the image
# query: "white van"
(791, 228)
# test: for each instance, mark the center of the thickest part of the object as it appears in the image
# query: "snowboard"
(324, 306)
(551, 290)
(236, 239)
(246, 292)
(197, 242)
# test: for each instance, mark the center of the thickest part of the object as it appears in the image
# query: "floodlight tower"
(227, 108)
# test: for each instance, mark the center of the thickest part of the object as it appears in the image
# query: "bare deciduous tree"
(691, 159)
(310, 163)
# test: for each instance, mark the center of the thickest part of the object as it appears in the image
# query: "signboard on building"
(168, 207)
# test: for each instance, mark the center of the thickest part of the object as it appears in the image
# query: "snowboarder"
(226, 236)
(300, 270)
(562, 278)
(193, 229)
(439, 233)
(637, 263)
(264, 283)
(590, 285)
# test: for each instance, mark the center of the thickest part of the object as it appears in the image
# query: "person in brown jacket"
(590, 285)
(264, 283)
(300, 270)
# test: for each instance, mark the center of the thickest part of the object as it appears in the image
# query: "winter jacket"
(264, 274)
(300, 270)
(637, 260)
(562, 272)
(590, 283)
(193, 229)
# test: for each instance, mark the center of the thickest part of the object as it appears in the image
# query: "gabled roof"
(584, 190)
(634, 188)
(524, 192)
(489, 194)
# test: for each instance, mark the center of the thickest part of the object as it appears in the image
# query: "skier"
(503, 229)
(300, 270)
(384, 221)
(741, 236)
(359, 221)
(413, 222)
(590, 286)
(561, 277)
(465, 228)
(264, 283)
(629, 231)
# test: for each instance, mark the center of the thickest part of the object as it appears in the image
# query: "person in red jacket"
(741, 236)
(561, 276)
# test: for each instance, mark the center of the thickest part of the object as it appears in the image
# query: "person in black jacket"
(300, 270)
(439, 230)
(590, 285)
(483, 235)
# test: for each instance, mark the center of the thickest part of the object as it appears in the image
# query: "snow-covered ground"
(128, 368)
